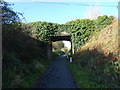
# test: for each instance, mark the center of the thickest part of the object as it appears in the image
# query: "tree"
(103, 21)
(57, 46)
(8, 15)
(111, 17)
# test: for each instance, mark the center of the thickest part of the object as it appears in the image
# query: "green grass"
(22, 75)
(54, 55)
(81, 76)
(32, 78)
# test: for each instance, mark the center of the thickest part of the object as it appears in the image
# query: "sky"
(62, 12)
(63, 0)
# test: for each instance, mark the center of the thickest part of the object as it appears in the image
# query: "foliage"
(8, 15)
(82, 76)
(21, 51)
(101, 67)
(24, 44)
(82, 29)
(20, 75)
(100, 57)
(17, 40)
(79, 29)
(57, 46)
(59, 53)
(103, 21)
(44, 30)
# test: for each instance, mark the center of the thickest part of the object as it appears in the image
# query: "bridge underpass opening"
(58, 38)
(61, 47)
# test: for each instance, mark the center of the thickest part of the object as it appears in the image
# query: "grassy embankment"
(97, 63)
(24, 57)
(24, 75)
(81, 76)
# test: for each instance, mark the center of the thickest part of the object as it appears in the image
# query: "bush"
(105, 69)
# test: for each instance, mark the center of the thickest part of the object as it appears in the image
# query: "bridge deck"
(59, 38)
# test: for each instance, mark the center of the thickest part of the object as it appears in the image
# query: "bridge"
(60, 38)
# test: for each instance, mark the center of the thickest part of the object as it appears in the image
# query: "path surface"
(58, 75)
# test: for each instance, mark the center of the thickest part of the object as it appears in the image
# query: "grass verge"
(22, 75)
(81, 76)
(32, 78)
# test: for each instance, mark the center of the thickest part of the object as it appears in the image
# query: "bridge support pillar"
(49, 52)
(72, 50)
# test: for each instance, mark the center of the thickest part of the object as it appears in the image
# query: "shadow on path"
(58, 75)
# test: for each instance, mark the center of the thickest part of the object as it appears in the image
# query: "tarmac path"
(57, 75)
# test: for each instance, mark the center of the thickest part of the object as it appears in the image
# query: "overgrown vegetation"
(79, 29)
(100, 57)
(82, 29)
(25, 46)
(82, 76)
(57, 46)
(23, 57)
(44, 30)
